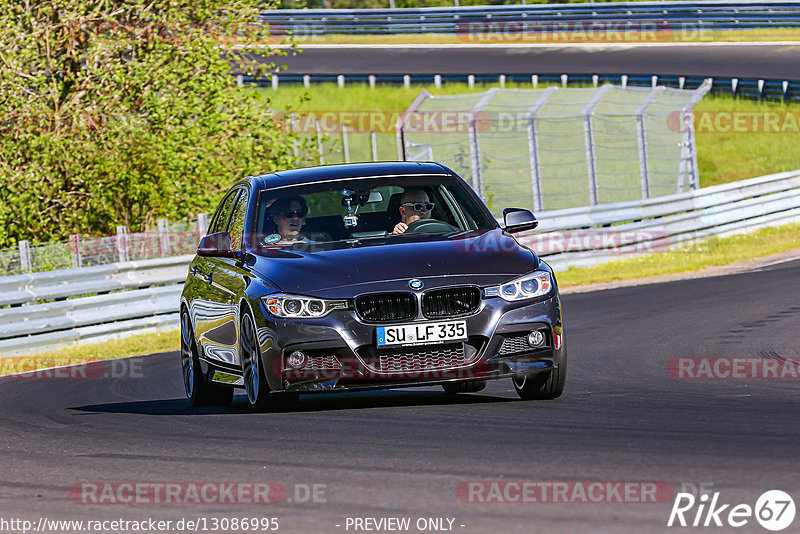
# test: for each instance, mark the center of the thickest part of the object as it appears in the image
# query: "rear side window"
(223, 213)
(236, 227)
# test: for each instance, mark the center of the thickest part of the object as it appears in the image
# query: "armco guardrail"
(139, 296)
(711, 15)
(143, 296)
(30, 288)
(581, 237)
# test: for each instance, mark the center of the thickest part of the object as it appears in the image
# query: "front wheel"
(198, 391)
(543, 386)
(255, 382)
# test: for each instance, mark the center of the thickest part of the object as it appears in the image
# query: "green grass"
(712, 252)
(722, 157)
(116, 348)
(725, 157)
(776, 34)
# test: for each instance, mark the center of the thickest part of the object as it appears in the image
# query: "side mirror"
(518, 220)
(216, 245)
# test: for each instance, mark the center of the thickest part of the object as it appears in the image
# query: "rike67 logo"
(774, 510)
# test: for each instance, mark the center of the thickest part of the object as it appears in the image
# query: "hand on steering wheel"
(429, 226)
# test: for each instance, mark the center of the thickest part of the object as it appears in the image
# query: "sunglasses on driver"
(419, 206)
(300, 214)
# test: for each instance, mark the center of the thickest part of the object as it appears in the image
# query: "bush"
(125, 111)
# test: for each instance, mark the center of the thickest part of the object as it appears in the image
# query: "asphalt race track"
(403, 453)
(778, 61)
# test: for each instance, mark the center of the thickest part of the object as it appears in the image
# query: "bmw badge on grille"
(415, 284)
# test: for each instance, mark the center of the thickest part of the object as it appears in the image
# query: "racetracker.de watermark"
(356, 370)
(578, 31)
(735, 122)
(385, 121)
(633, 241)
(25, 368)
(177, 493)
(564, 492)
(733, 368)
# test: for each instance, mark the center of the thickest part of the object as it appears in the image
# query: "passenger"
(288, 214)
(414, 205)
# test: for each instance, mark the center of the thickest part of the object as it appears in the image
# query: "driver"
(414, 205)
(288, 214)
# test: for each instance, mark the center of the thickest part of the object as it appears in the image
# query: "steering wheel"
(429, 226)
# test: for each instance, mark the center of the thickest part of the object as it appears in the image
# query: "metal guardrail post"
(202, 224)
(25, 255)
(474, 145)
(688, 162)
(694, 182)
(75, 250)
(319, 144)
(123, 252)
(293, 125)
(588, 134)
(163, 236)
(641, 137)
(402, 149)
(475, 158)
(345, 144)
(533, 148)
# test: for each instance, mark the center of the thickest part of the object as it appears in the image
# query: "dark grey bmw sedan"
(366, 276)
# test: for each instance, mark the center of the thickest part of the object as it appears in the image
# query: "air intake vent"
(384, 307)
(451, 301)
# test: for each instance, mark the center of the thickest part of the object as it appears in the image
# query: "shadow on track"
(307, 403)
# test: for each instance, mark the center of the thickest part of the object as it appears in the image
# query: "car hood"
(346, 268)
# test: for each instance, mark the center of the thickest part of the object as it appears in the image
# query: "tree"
(124, 111)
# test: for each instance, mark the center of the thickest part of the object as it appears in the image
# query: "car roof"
(327, 173)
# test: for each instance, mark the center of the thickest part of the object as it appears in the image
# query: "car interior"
(374, 218)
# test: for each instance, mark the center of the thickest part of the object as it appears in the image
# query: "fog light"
(536, 339)
(296, 359)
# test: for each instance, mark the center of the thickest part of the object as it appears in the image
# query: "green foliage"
(125, 111)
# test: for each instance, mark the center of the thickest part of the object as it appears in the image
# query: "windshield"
(366, 208)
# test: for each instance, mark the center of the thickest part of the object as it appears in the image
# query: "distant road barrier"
(710, 15)
(786, 90)
(52, 309)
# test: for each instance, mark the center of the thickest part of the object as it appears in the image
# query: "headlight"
(288, 306)
(526, 287)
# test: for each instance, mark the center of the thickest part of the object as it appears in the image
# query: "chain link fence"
(559, 148)
(169, 239)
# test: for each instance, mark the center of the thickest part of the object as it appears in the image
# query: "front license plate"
(422, 333)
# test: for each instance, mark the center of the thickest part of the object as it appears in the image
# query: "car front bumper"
(341, 352)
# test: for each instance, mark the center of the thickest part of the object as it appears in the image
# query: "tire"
(467, 386)
(255, 382)
(198, 391)
(543, 386)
